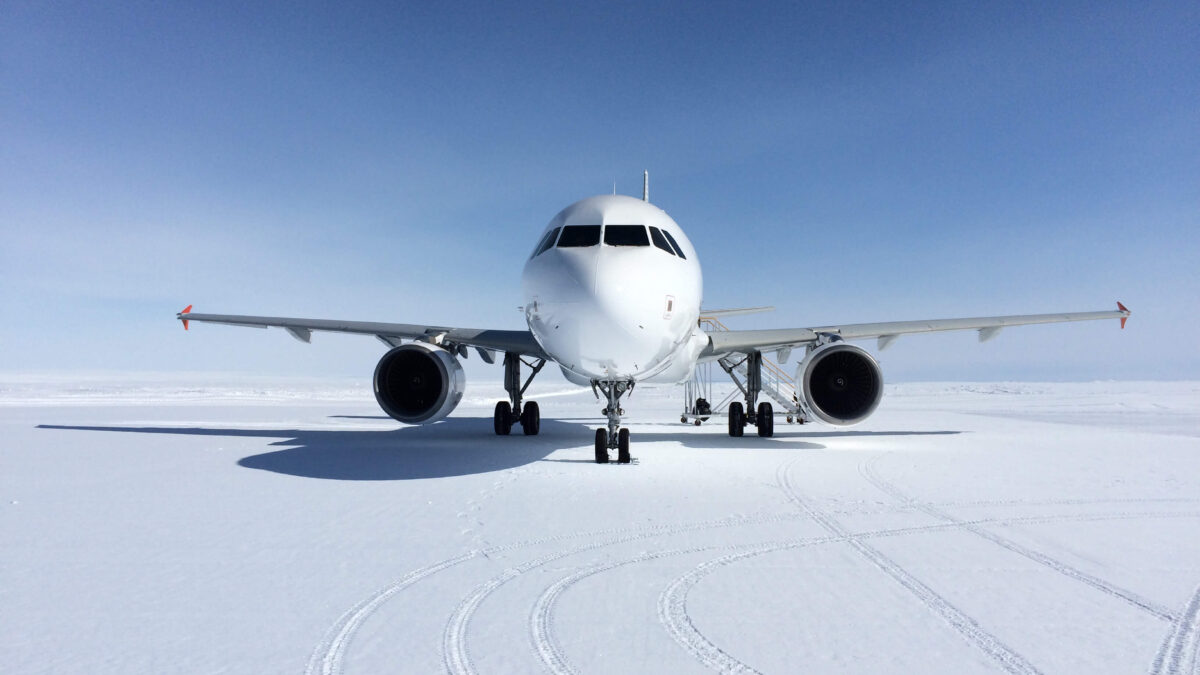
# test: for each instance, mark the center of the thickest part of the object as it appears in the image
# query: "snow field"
(284, 526)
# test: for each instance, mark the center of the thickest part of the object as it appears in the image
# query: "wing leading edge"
(724, 342)
(516, 341)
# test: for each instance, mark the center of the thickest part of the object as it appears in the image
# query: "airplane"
(612, 293)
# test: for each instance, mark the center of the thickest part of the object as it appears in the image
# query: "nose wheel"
(614, 437)
(602, 448)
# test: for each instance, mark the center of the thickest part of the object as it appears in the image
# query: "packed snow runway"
(287, 526)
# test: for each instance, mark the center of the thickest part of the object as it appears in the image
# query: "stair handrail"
(715, 324)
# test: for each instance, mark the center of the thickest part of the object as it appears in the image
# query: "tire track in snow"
(455, 654)
(848, 511)
(1183, 642)
(673, 614)
(1069, 502)
(541, 619)
(868, 471)
(330, 652)
(327, 658)
(966, 626)
(672, 605)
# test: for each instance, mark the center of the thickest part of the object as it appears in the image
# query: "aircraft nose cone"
(601, 315)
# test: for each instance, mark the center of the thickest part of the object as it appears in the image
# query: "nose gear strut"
(614, 437)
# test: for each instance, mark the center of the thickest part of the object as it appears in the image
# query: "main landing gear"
(614, 437)
(511, 411)
(761, 415)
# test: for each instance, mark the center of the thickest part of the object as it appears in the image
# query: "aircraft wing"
(455, 339)
(724, 342)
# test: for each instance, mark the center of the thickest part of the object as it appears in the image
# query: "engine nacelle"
(841, 383)
(418, 383)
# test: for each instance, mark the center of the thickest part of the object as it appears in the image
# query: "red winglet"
(1125, 309)
(189, 309)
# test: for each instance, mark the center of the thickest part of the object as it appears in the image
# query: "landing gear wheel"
(623, 446)
(503, 420)
(531, 419)
(683, 419)
(789, 419)
(766, 420)
(697, 422)
(601, 446)
(737, 419)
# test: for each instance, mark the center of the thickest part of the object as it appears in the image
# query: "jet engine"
(418, 383)
(842, 384)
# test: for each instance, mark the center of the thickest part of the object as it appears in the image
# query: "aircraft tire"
(601, 446)
(766, 420)
(623, 446)
(502, 419)
(531, 419)
(737, 420)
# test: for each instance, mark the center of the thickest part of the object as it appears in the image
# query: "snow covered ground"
(254, 525)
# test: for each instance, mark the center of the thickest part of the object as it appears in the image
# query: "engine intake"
(842, 383)
(418, 383)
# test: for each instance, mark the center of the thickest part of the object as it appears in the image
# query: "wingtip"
(1124, 309)
(186, 310)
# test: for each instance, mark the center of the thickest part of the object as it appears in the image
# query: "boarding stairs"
(775, 383)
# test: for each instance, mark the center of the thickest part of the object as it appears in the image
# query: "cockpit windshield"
(660, 241)
(546, 242)
(579, 235)
(674, 244)
(625, 235)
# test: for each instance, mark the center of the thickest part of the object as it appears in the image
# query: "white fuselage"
(615, 303)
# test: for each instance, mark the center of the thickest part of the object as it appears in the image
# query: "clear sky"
(844, 162)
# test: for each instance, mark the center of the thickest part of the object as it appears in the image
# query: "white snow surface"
(255, 525)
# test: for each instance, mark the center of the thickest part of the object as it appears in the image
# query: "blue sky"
(843, 162)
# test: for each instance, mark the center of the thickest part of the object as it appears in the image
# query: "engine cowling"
(842, 384)
(418, 383)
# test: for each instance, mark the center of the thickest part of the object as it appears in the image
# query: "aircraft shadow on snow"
(454, 447)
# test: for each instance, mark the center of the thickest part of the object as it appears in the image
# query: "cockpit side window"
(625, 235)
(579, 235)
(674, 244)
(546, 242)
(659, 240)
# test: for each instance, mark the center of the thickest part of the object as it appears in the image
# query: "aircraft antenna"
(645, 186)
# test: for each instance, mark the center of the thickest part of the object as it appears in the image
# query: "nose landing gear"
(614, 437)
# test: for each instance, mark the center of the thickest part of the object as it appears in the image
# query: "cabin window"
(625, 235)
(659, 240)
(579, 235)
(674, 244)
(546, 242)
